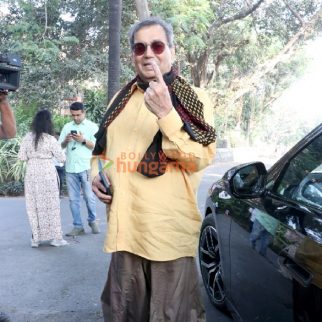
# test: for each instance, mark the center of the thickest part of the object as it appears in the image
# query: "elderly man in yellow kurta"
(157, 133)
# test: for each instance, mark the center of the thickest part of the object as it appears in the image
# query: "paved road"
(51, 284)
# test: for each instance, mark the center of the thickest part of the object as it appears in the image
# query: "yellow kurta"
(156, 218)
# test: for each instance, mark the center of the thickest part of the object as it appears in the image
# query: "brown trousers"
(140, 290)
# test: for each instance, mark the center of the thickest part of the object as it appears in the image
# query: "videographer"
(7, 131)
(8, 122)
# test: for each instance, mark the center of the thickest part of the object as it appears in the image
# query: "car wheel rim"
(210, 264)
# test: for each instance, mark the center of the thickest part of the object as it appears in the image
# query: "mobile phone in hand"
(73, 132)
(105, 183)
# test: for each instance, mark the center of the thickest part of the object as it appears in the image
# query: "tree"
(61, 44)
(142, 9)
(115, 12)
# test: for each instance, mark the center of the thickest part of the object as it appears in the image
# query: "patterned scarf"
(186, 103)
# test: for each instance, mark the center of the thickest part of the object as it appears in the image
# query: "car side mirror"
(247, 181)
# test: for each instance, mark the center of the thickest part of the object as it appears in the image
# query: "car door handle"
(299, 273)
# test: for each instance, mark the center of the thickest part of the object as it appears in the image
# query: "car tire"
(210, 263)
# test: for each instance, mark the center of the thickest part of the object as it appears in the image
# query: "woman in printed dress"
(38, 148)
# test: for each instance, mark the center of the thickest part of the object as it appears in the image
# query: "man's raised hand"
(157, 97)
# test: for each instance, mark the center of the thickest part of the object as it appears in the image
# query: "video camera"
(10, 65)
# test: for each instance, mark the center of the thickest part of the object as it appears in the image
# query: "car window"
(312, 191)
(302, 180)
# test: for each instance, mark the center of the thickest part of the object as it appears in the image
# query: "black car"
(260, 248)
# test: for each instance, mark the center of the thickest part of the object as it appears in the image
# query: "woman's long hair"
(42, 123)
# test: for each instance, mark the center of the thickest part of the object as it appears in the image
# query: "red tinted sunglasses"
(140, 48)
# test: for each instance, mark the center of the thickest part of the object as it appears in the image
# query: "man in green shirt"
(77, 137)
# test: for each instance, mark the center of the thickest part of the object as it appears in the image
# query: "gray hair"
(151, 21)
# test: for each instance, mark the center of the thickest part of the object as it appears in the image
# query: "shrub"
(12, 188)
(11, 168)
(95, 103)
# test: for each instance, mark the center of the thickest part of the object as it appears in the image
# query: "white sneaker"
(58, 242)
(34, 244)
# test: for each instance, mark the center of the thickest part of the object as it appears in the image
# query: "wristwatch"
(84, 142)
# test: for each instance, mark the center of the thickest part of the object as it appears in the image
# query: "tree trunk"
(142, 9)
(115, 13)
